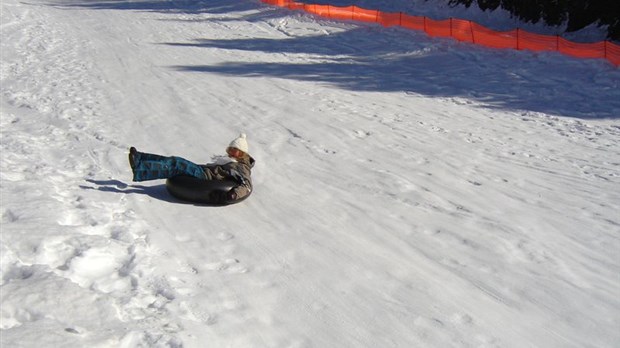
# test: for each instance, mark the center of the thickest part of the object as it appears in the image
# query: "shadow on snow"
(115, 186)
(158, 192)
(368, 57)
(163, 6)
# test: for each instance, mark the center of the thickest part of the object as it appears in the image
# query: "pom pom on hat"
(240, 143)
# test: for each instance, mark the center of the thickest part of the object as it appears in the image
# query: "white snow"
(409, 191)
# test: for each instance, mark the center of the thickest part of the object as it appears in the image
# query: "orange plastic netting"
(463, 30)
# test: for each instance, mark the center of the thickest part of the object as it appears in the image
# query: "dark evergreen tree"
(488, 4)
(577, 14)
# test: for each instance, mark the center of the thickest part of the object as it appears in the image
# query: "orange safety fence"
(463, 30)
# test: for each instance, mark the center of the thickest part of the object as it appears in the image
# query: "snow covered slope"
(409, 192)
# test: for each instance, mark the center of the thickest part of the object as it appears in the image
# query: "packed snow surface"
(409, 191)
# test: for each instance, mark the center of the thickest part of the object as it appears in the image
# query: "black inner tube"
(188, 188)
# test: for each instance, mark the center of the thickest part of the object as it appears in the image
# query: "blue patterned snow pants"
(149, 166)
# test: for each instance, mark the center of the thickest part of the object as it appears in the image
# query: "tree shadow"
(175, 6)
(369, 59)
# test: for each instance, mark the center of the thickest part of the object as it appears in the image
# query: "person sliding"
(237, 167)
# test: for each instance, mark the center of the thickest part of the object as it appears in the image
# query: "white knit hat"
(240, 143)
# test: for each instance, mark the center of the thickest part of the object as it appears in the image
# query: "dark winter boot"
(132, 157)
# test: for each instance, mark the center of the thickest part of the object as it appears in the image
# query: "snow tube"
(188, 188)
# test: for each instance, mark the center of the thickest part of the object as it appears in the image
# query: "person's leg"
(147, 166)
(136, 156)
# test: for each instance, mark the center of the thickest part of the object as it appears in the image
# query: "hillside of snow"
(408, 191)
